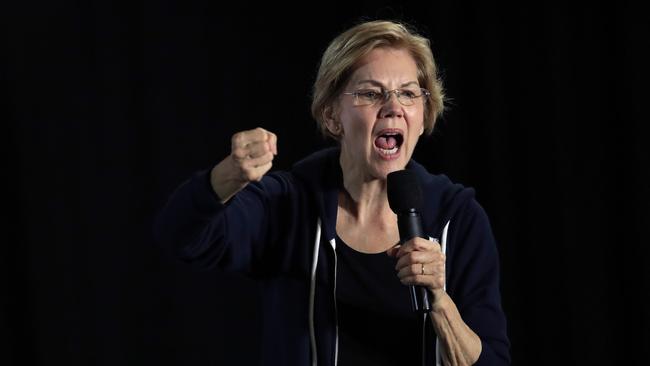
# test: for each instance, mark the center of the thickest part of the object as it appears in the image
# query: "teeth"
(388, 151)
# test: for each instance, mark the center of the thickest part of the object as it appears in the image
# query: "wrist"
(224, 183)
(440, 300)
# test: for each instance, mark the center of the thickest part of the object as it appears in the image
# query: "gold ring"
(422, 268)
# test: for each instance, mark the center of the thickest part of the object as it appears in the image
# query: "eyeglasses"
(406, 97)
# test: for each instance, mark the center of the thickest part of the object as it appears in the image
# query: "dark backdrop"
(109, 107)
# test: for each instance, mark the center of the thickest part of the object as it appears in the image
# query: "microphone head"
(404, 191)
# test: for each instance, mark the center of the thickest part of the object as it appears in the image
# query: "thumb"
(272, 141)
(392, 252)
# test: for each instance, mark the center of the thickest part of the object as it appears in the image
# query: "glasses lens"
(406, 97)
(368, 97)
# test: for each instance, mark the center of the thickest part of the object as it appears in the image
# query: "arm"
(473, 281)
(220, 217)
(461, 346)
(422, 263)
(467, 316)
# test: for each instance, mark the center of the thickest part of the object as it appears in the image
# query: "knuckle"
(239, 153)
(250, 175)
(427, 245)
(238, 138)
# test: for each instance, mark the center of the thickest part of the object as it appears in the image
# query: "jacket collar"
(321, 172)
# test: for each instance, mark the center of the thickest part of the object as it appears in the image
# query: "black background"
(110, 106)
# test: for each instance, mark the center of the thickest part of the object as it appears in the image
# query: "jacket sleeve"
(196, 228)
(473, 282)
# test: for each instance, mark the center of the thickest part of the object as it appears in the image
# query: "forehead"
(386, 65)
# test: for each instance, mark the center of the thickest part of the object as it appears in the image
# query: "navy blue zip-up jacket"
(282, 232)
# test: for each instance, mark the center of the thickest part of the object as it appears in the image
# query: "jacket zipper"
(312, 292)
(336, 310)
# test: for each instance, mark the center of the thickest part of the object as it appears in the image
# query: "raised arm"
(221, 217)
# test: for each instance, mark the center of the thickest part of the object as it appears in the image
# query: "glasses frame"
(386, 96)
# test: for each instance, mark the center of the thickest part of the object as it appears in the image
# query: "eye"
(369, 94)
(409, 93)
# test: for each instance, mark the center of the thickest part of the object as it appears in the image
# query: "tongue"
(385, 142)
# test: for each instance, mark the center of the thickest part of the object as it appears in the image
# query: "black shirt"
(376, 323)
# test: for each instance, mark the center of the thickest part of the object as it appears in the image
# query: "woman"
(322, 237)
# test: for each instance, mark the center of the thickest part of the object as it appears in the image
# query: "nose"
(391, 107)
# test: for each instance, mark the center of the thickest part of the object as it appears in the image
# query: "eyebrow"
(379, 84)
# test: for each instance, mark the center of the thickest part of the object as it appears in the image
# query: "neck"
(364, 197)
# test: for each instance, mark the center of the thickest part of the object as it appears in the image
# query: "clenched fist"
(251, 156)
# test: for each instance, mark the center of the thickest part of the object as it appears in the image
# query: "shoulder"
(317, 163)
(312, 173)
(320, 170)
(444, 199)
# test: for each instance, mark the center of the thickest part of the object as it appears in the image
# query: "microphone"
(405, 199)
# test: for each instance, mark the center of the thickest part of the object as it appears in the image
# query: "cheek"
(356, 125)
(355, 138)
(416, 121)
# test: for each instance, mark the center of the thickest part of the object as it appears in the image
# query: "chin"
(382, 170)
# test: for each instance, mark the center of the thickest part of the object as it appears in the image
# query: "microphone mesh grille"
(404, 191)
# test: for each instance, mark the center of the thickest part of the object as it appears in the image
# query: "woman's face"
(379, 139)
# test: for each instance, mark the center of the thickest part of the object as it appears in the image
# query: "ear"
(331, 121)
(421, 130)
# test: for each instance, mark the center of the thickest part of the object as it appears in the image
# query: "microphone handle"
(410, 226)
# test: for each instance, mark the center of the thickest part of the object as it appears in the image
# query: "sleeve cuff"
(204, 198)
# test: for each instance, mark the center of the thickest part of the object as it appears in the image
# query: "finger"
(257, 149)
(244, 138)
(239, 153)
(262, 169)
(256, 173)
(273, 143)
(251, 151)
(430, 269)
(418, 244)
(410, 270)
(393, 251)
(431, 282)
(252, 163)
(416, 257)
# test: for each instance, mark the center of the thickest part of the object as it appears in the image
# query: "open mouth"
(389, 142)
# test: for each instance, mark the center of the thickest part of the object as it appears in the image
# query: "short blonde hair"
(343, 53)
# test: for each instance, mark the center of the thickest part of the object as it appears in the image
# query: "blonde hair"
(342, 54)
